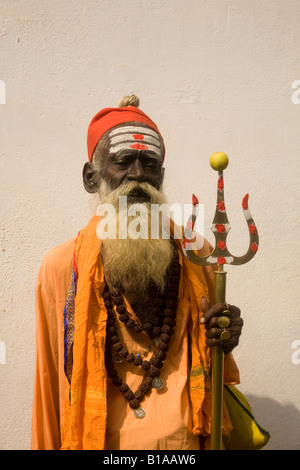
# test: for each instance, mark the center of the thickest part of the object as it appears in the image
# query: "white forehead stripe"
(134, 130)
(145, 139)
(134, 137)
(134, 145)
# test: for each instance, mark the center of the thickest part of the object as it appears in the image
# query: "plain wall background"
(214, 75)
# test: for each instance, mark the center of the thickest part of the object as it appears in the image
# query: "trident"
(219, 256)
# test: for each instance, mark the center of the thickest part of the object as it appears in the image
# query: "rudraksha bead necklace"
(160, 330)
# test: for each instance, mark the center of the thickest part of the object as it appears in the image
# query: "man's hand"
(210, 318)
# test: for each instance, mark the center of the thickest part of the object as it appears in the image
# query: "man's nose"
(136, 171)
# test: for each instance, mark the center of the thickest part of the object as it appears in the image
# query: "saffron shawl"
(85, 333)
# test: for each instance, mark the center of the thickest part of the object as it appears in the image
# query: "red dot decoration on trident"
(220, 226)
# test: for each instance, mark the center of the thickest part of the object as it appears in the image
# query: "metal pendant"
(139, 413)
(117, 358)
(157, 383)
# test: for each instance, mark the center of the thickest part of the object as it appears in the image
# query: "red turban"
(111, 117)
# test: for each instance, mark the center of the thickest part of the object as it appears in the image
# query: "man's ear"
(91, 178)
(162, 177)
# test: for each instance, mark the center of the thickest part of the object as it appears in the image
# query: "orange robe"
(92, 413)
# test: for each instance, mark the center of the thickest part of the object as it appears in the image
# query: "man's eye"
(121, 163)
(152, 165)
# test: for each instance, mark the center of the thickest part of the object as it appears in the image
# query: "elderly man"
(125, 324)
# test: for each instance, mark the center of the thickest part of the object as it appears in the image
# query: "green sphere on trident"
(219, 256)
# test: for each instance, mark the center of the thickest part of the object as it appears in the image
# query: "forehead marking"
(130, 137)
(126, 137)
(134, 130)
(138, 136)
(137, 146)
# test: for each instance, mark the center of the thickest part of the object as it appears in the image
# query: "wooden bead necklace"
(159, 329)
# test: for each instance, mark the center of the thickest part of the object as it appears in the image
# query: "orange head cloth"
(108, 118)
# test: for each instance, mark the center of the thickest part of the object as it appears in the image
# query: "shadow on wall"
(282, 422)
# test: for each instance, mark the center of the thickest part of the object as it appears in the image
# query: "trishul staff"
(219, 256)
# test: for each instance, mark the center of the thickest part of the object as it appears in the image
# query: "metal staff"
(219, 256)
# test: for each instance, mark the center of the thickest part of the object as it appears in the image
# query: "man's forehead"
(133, 129)
(134, 137)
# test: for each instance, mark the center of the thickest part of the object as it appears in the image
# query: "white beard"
(129, 262)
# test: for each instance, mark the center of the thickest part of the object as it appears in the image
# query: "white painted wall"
(214, 75)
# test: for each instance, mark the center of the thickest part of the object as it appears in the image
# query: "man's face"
(132, 153)
(128, 162)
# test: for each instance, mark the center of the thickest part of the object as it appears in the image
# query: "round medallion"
(117, 358)
(139, 413)
(223, 322)
(157, 383)
(225, 335)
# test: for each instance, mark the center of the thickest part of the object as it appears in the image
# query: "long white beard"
(135, 263)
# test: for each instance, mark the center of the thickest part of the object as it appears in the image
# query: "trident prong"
(219, 256)
(220, 228)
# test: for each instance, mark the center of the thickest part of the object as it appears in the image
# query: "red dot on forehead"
(138, 136)
(139, 146)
